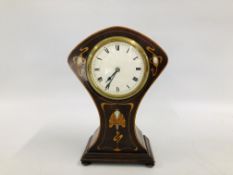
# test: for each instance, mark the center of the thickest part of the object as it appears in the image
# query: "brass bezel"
(133, 44)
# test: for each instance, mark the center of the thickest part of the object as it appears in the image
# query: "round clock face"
(117, 67)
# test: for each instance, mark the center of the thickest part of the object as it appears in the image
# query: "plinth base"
(123, 158)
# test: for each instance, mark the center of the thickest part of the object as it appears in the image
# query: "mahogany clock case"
(117, 141)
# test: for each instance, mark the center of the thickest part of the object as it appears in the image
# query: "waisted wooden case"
(117, 140)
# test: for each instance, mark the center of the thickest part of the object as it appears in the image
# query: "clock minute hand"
(109, 83)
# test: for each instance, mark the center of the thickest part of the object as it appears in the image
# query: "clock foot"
(85, 163)
(119, 157)
(150, 164)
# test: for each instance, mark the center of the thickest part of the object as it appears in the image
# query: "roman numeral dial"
(118, 68)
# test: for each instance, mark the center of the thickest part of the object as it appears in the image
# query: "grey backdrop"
(46, 115)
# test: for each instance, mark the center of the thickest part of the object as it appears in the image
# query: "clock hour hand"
(114, 73)
(111, 78)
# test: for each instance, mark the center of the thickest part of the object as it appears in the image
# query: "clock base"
(123, 158)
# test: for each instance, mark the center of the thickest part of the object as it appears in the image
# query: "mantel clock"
(117, 65)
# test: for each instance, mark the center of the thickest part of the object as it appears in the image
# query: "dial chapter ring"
(131, 42)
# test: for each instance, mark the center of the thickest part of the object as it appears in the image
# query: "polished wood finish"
(117, 141)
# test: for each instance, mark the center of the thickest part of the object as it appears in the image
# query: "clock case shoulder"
(157, 62)
(79, 55)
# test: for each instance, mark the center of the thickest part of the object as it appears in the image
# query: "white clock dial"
(118, 68)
